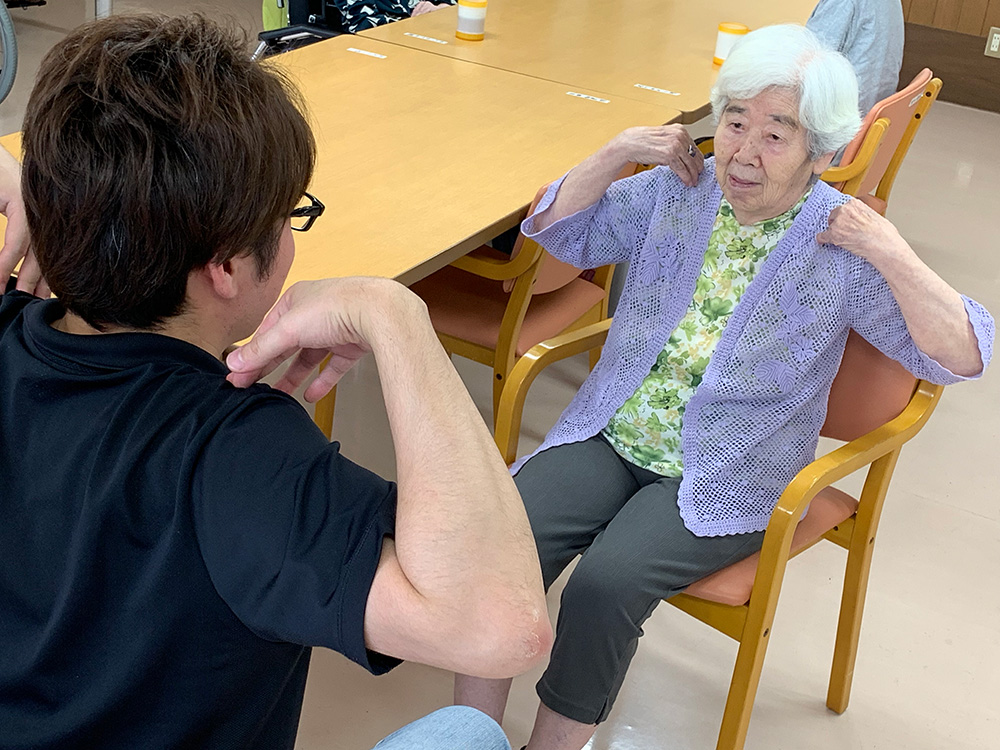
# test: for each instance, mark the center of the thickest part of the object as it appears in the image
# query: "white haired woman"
(745, 276)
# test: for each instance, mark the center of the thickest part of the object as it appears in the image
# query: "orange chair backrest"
(899, 110)
(552, 274)
(869, 390)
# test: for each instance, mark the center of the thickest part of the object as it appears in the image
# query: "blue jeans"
(452, 728)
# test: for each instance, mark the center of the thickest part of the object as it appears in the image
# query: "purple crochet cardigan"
(754, 421)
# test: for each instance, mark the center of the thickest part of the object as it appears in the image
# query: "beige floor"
(928, 674)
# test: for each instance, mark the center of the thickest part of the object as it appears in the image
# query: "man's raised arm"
(459, 587)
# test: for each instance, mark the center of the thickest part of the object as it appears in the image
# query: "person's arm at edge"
(460, 586)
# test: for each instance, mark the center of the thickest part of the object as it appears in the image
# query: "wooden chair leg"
(852, 607)
(323, 412)
(499, 380)
(859, 564)
(743, 688)
(595, 355)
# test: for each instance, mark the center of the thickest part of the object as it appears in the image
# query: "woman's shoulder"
(825, 196)
(815, 213)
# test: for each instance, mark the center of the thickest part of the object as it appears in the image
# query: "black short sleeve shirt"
(170, 546)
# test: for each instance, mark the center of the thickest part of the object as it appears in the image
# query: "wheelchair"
(8, 44)
(308, 21)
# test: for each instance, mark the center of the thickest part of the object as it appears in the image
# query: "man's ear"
(222, 278)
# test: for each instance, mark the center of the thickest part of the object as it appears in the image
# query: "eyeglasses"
(304, 216)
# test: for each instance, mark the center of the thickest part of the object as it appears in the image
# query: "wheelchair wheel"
(8, 48)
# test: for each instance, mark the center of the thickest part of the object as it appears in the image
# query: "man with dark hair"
(172, 543)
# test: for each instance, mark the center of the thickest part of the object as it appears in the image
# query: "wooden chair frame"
(930, 95)
(851, 175)
(751, 623)
(523, 268)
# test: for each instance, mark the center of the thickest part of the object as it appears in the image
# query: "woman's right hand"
(666, 145)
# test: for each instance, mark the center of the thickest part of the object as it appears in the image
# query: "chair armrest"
(830, 468)
(499, 269)
(536, 359)
(851, 175)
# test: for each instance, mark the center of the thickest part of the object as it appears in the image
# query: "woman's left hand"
(862, 231)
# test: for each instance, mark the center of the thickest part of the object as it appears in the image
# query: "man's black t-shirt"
(170, 546)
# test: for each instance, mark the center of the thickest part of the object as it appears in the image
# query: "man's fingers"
(243, 379)
(29, 278)
(15, 241)
(9, 258)
(248, 376)
(276, 343)
(300, 369)
(322, 384)
(335, 369)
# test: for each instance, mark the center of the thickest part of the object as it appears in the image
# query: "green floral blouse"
(646, 429)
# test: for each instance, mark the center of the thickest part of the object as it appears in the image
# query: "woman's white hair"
(792, 57)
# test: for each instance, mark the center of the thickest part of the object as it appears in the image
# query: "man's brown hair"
(153, 146)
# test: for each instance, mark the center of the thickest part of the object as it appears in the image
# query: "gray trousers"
(583, 498)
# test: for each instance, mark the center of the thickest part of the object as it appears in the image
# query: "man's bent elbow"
(508, 644)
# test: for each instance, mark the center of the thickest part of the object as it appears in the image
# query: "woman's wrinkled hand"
(860, 230)
(664, 145)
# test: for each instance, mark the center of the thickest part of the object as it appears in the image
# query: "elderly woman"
(746, 274)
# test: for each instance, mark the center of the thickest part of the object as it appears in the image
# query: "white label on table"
(659, 91)
(587, 96)
(366, 52)
(425, 38)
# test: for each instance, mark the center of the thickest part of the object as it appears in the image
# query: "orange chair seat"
(732, 585)
(471, 308)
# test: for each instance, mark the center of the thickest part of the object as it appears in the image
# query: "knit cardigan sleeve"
(613, 229)
(874, 313)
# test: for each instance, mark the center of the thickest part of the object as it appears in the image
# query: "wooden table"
(655, 51)
(422, 158)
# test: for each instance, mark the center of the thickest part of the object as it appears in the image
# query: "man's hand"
(864, 232)
(424, 7)
(667, 145)
(314, 319)
(16, 242)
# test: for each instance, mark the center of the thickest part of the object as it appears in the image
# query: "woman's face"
(762, 155)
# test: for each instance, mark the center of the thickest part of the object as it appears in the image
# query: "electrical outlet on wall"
(993, 42)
